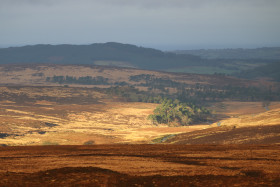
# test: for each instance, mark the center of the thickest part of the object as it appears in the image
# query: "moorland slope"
(140, 165)
(258, 128)
(71, 104)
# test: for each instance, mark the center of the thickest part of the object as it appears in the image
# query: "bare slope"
(262, 128)
(140, 165)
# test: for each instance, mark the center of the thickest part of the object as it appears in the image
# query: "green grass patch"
(202, 70)
(162, 139)
(50, 143)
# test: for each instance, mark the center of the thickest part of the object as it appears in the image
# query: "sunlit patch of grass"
(49, 143)
(162, 139)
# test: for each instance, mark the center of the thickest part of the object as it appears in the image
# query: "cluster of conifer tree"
(174, 113)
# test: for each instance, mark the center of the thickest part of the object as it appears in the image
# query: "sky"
(161, 24)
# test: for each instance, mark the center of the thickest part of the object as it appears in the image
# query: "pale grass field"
(110, 122)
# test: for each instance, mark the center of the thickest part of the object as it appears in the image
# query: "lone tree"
(174, 113)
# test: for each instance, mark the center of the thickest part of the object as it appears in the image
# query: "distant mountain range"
(237, 62)
(271, 53)
(108, 53)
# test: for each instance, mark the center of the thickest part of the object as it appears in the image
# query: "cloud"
(144, 3)
(188, 3)
(139, 21)
(140, 4)
(11, 3)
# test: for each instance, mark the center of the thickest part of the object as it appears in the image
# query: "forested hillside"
(103, 54)
(236, 62)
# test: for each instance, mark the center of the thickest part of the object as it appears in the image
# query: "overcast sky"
(162, 24)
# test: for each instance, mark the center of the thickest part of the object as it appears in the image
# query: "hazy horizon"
(160, 24)
(158, 47)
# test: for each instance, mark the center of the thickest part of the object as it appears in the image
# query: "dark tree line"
(87, 80)
(206, 93)
(202, 93)
(158, 89)
(153, 82)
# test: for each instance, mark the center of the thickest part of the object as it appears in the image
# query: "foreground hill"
(268, 134)
(140, 165)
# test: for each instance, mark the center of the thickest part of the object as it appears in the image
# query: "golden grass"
(113, 122)
(104, 122)
(271, 117)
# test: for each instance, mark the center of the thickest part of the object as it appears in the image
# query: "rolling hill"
(111, 53)
(83, 107)
(66, 104)
(227, 61)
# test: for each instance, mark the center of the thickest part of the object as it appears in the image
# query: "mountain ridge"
(144, 58)
(132, 56)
